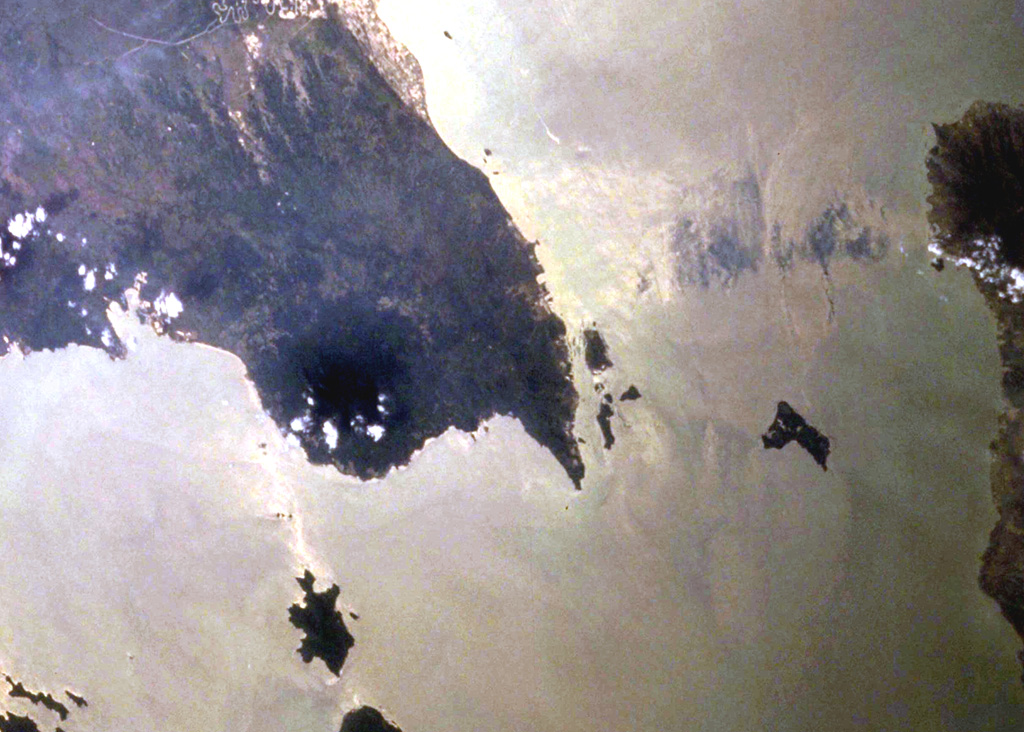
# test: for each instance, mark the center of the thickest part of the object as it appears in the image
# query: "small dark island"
(630, 395)
(595, 351)
(18, 691)
(326, 638)
(604, 421)
(78, 700)
(367, 719)
(789, 426)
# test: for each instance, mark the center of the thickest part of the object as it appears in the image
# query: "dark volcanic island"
(595, 351)
(604, 421)
(976, 171)
(326, 637)
(789, 426)
(287, 203)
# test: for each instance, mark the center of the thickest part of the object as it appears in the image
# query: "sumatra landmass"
(288, 204)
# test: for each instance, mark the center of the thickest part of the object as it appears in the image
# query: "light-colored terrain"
(698, 582)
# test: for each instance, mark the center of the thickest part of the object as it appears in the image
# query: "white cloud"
(168, 304)
(986, 261)
(21, 225)
(331, 434)
(253, 45)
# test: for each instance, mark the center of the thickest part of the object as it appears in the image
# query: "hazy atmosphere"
(734, 195)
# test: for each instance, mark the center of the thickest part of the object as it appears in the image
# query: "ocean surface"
(153, 518)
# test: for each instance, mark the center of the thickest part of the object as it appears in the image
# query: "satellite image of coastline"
(381, 365)
(285, 205)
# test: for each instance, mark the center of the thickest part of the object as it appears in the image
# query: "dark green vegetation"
(976, 171)
(326, 637)
(309, 220)
(367, 719)
(789, 426)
